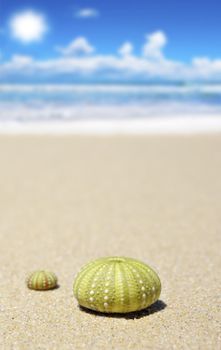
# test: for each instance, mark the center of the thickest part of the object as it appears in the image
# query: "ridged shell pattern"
(116, 285)
(42, 280)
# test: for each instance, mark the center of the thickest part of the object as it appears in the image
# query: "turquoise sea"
(61, 103)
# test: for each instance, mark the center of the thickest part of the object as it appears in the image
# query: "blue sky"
(180, 37)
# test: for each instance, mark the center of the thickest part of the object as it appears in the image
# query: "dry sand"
(67, 200)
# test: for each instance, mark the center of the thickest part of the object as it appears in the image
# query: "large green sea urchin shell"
(42, 280)
(116, 285)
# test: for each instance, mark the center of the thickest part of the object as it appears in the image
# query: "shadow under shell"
(158, 306)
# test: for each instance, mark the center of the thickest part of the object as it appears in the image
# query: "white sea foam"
(114, 88)
(51, 112)
(100, 120)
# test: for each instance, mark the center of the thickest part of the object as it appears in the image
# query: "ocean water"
(23, 105)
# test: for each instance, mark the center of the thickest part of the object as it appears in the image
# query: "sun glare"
(28, 26)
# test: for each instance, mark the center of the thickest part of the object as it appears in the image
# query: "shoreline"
(182, 125)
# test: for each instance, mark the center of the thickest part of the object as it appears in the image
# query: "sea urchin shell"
(116, 285)
(42, 280)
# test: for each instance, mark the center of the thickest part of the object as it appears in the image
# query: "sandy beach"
(66, 200)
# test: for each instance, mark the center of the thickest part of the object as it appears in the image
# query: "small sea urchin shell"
(42, 280)
(116, 285)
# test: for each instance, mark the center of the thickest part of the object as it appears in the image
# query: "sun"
(28, 26)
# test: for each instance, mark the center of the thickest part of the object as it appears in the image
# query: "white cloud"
(78, 46)
(28, 26)
(155, 42)
(206, 68)
(21, 60)
(87, 13)
(153, 65)
(126, 49)
(124, 66)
